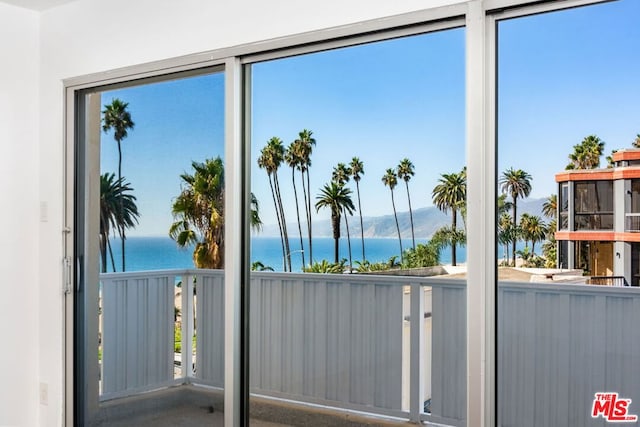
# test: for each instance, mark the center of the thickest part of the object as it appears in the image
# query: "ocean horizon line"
(272, 236)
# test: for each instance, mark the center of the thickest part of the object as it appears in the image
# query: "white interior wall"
(19, 290)
(87, 36)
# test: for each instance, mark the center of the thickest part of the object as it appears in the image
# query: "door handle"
(79, 278)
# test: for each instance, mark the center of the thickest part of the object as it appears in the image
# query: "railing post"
(416, 356)
(186, 342)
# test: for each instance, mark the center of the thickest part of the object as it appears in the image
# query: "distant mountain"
(532, 207)
(426, 221)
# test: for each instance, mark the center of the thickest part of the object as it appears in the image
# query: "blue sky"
(562, 76)
(176, 122)
(380, 102)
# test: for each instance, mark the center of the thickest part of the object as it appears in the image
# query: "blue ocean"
(155, 253)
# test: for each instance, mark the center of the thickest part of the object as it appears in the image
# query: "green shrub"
(422, 256)
(177, 339)
(326, 267)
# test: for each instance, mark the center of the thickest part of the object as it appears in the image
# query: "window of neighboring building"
(635, 264)
(632, 216)
(595, 258)
(593, 205)
(634, 205)
(563, 254)
(582, 259)
(563, 206)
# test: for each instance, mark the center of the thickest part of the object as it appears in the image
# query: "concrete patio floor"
(191, 406)
(183, 416)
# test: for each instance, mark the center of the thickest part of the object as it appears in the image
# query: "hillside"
(426, 222)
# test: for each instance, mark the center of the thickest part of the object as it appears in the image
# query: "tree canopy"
(586, 155)
(338, 199)
(198, 213)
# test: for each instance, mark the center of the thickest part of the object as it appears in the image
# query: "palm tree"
(198, 213)
(390, 180)
(610, 162)
(533, 229)
(256, 222)
(292, 157)
(115, 116)
(307, 142)
(504, 205)
(341, 175)
(357, 170)
(516, 183)
(550, 206)
(550, 210)
(522, 228)
(271, 157)
(113, 194)
(338, 200)
(451, 194)
(448, 236)
(463, 208)
(586, 155)
(636, 142)
(265, 161)
(109, 208)
(259, 266)
(506, 232)
(405, 171)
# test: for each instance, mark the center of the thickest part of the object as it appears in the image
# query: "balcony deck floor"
(188, 406)
(183, 416)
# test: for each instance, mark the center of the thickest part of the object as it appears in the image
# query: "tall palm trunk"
(393, 203)
(515, 234)
(295, 194)
(307, 213)
(103, 253)
(454, 225)
(361, 226)
(335, 224)
(284, 221)
(105, 245)
(275, 205)
(113, 262)
(413, 238)
(309, 218)
(121, 216)
(348, 239)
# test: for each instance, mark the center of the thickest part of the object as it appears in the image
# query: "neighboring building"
(599, 218)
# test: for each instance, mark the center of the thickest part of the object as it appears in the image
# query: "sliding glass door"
(150, 197)
(357, 288)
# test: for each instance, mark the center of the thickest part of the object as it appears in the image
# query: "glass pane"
(158, 228)
(594, 205)
(340, 141)
(567, 152)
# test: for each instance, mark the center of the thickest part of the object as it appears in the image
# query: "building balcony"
(384, 346)
(632, 222)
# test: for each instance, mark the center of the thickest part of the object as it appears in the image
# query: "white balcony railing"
(349, 341)
(336, 340)
(632, 222)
